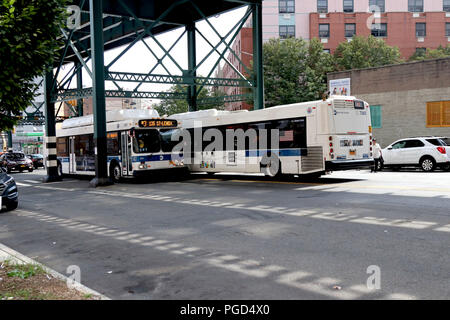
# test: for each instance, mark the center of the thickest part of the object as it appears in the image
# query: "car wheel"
(30, 169)
(115, 172)
(446, 167)
(428, 164)
(12, 206)
(8, 170)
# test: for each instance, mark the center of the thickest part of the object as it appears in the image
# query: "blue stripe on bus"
(280, 153)
(158, 157)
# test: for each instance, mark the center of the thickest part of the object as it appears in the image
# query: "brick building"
(243, 47)
(411, 25)
(407, 100)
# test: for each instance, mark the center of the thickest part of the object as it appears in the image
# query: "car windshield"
(15, 156)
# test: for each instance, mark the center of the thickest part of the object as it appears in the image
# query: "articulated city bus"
(138, 141)
(313, 137)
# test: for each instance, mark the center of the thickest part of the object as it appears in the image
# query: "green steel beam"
(258, 72)
(98, 93)
(168, 79)
(74, 94)
(239, 27)
(192, 62)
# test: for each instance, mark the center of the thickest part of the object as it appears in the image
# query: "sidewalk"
(8, 254)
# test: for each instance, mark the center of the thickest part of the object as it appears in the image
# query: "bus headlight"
(142, 166)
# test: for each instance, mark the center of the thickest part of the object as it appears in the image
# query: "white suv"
(428, 153)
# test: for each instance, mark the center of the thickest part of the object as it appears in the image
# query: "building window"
(421, 29)
(348, 5)
(327, 51)
(415, 5)
(350, 30)
(322, 6)
(438, 114)
(286, 6)
(287, 32)
(324, 30)
(375, 115)
(378, 3)
(379, 30)
(421, 52)
(447, 29)
(447, 5)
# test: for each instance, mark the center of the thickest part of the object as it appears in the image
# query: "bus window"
(146, 141)
(61, 147)
(112, 143)
(292, 133)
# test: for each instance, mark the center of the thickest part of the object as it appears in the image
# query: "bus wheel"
(115, 172)
(59, 170)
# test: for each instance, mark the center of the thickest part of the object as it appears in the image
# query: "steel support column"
(98, 95)
(258, 91)
(50, 131)
(79, 87)
(192, 63)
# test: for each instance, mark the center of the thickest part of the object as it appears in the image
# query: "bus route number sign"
(153, 123)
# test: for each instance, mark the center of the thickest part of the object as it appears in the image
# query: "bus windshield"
(146, 141)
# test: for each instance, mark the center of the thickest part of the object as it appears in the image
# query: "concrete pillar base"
(100, 182)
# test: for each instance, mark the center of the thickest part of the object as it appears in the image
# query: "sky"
(140, 59)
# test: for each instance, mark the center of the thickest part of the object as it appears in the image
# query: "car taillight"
(441, 150)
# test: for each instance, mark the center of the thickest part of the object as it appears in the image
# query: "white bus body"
(317, 136)
(132, 150)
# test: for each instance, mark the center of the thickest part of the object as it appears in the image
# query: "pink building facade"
(411, 25)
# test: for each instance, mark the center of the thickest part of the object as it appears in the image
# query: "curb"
(7, 253)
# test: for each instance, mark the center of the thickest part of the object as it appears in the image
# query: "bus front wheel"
(115, 172)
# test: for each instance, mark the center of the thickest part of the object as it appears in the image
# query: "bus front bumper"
(349, 164)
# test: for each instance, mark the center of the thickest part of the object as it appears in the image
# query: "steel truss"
(111, 24)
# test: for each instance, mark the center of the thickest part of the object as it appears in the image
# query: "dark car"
(15, 161)
(9, 195)
(37, 159)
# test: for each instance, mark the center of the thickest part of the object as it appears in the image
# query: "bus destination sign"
(158, 123)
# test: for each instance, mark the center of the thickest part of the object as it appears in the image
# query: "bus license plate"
(352, 152)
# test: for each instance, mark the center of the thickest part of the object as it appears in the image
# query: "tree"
(364, 52)
(438, 53)
(294, 71)
(28, 41)
(172, 106)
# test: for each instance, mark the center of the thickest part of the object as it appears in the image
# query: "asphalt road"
(243, 237)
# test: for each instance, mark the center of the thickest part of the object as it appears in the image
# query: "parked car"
(37, 159)
(16, 161)
(9, 195)
(428, 153)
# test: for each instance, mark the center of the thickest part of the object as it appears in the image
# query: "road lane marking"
(298, 279)
(338, 217)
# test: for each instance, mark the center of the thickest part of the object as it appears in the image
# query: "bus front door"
(126, 153)
(72, 157)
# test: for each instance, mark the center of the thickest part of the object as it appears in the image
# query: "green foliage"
(364, 52)
(25, 271)
(28, 33)
(173, 106)
(438, 53)
(294, 71)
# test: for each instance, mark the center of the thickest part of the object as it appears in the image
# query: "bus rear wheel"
(114, 172)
